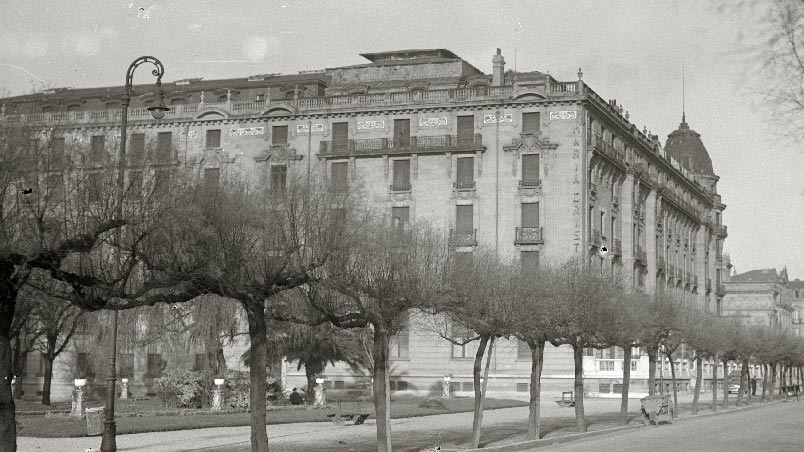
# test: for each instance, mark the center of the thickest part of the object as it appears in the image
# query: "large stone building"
(535, 168)
(761, 298)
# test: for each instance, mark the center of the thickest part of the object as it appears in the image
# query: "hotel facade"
(535, 168)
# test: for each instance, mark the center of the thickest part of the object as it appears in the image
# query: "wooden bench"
(340, 419)
(567, 399)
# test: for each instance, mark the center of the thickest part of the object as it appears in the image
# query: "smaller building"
(760, 298)
(797, 288)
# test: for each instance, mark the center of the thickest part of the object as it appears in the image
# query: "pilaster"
(650, 241)
(627, 215)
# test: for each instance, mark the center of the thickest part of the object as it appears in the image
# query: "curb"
(525, 445)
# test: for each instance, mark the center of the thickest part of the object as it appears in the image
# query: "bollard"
(78, 398)
(320, 397)
(445, 386)
(216, 394)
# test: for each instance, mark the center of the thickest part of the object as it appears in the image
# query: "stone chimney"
(498, 73)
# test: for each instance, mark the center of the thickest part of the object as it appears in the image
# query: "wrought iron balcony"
(608, 150)
(408, 145)
(595, 238)
(529, 236)
(464, 185)
(463, 238)
(530, 183)
(617, 248)
(722, 231)
(401, 187)
(641, 256)
(660, 265)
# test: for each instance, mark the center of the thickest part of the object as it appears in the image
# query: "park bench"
(654, 407)
(791, 391)
(341, 419)
(567, 399)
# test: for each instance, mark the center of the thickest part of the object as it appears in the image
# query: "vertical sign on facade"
(576, 188)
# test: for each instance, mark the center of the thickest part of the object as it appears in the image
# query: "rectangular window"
(94, 187)
(468, 386)
(464, 218)
(401, 175)
(401, 133)
(136, 152)
(279, 176)
(55, 187)
(340, 135)
(56, 158)
(339, 177)
(400, 216)
(466, 173)
(530, 170)
(606, 365)
(530, 215)
(602, 222)
(279, 135)
(213, 139)
(522, 350)
(134, 185)
(529, 262)
(164, 147)
(212, 178)
(612, 229)
(634, 365)
(604, 388)
(126, 369)
(85, 365)
(154, 366)
(400, 341)
(339, 384)
(531, 123)
(260, 98)
(97, 148)
(460, 333)
(466, 127)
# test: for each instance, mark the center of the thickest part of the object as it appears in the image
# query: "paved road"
(773, 428)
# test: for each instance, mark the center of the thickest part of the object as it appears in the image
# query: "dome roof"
(686, 147)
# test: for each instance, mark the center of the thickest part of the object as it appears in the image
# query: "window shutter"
(530, 167)
(401, 173)
(340, 132)
(164, 146)
(466, 126)
(340, 181)
(531, 123)
(137, 151)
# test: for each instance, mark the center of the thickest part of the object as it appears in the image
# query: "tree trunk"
(698, 382)
(579, 418)
(476, 433)
(48, 374)
(772, 387)
(8, 302)
(382, 395)
(764, 381)
(714, 382)
(726, 383)
(477, 416)
(743, 370)
(673, 377)
(652, 370)
(257, 332)
(310, 394)
(661, 373)
(534, 410)
(626, 384)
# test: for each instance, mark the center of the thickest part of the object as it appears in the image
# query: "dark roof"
(762, 275)
(396, 55)
(686, 147)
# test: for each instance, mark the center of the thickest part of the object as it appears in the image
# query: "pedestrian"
(754, 385)
(295, 397)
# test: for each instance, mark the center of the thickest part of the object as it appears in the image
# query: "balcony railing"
(722, 230)
(617, 248)
(608, 150)
(463, 238)
(530, 183)
(641, 256)
(529, 235)
(660, 265)
(418, 144)
(464, 185)
(400, 187)
(595, 239)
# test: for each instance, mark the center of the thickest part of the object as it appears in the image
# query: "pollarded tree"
(585, 311)
(698, 330)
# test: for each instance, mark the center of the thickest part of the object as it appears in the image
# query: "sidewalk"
(429, 430)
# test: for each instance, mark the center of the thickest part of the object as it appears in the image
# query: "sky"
(632, 51)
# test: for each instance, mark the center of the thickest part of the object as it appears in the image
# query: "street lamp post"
(158, 109)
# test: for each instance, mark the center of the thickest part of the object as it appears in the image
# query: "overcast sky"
(632, 51)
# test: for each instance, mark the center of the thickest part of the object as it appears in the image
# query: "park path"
(412, 433)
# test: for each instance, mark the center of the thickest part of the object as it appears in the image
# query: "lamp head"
(218, 381)
(158, 109)
(124, 380)
(319, 380)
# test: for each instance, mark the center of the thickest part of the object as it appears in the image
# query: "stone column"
(650, 241)
(627, 233)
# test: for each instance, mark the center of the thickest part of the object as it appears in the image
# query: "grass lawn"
(64, 426)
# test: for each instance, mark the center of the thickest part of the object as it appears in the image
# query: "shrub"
(183, 388)
(236, 390)
(433, 404)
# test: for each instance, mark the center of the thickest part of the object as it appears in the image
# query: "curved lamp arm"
(158, 72)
